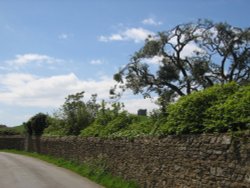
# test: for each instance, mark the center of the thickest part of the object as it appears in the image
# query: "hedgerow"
(220, 108)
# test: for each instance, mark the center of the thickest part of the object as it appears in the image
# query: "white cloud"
(63, 36)
(24, 59)
(132, 34)
(96, 62)
(156, 60)
(103, 38)
(32, 91)
(137, 34)
(116, 37)
(113, 37)
(26, 90)
(190, 49)
(133, 105)
(151, 21)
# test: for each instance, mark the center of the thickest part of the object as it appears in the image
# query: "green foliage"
(56, 126)
(93, 130)
(2, 126)
(138, 126)
(39, 123)
(221, 56)
(216, 109)
(73, 116)
(115, 122)
(119, 124)
(220, 108)
(7, 131)
(18, 130)
(233, 114)
(28, 128)
(94, 169)
(121, 121)
(36, 124)
(107, 121)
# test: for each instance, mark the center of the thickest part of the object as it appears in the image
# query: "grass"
(20, 129)
(95, 170)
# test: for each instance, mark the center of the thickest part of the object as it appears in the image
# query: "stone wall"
(174, 161)
(12, 142)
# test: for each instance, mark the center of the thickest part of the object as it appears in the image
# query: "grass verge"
(94, 171)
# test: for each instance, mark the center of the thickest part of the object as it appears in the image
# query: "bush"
(8, 131)
(56, 127)
(138, 126)
(121, 125)
(216, 109)
(233, 114)
(73, 116)
(107, 124)
(93, 130)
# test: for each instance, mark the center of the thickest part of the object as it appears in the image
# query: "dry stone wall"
(12, 142)
(174, 161)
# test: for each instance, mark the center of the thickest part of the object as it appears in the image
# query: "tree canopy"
(74, 115)
(36, 124)
(187, 58)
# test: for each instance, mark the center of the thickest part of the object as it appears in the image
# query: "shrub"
(121, 125)
(215, 109)
(138, 126)
(56, 127)
(108, 124)
(233, 114)
(8, 131)
(93, 130)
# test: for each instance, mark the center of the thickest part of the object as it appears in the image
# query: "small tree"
(28, 128)
(38, 123)
(74, 115)
(35, 126)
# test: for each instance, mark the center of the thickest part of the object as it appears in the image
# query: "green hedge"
(220, 108)
(8, 131)
(122, 125)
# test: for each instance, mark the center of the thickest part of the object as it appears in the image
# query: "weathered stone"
(225, 139)
(218, 152)
(173, 161)
(177, 167)
(219, 171)
(213, 171)
(247, 177)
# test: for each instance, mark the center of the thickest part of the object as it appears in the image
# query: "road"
(17, 171)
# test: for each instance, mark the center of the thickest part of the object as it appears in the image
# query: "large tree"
(189, 57)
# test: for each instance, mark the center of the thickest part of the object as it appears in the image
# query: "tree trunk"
(28, 143)
(37, 142)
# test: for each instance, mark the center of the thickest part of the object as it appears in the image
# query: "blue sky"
(52, 48)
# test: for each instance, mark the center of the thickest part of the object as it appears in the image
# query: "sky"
(53, 48)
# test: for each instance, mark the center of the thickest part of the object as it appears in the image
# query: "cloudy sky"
(52, 48)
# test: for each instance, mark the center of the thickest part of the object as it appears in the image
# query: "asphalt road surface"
(17, 171)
